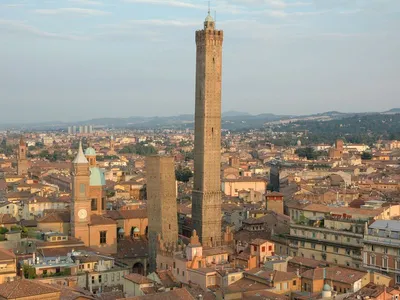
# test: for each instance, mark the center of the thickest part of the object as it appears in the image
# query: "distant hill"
(234, 113)
(393, 111)
(231, 120)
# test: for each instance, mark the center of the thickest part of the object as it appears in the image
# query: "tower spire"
(209, 8)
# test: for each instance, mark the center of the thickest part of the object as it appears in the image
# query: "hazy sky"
(79, 59)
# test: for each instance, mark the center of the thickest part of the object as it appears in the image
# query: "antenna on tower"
(215, 17)
(209, 7)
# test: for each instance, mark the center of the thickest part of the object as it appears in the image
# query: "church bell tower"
(80, 210)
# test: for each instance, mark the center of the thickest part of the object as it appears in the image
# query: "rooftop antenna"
(209, 5)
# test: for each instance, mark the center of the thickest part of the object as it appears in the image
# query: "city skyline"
(282, 57)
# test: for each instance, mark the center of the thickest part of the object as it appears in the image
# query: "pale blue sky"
(79, 59)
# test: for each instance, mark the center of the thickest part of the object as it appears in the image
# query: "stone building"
(161, 198)
(206, 210)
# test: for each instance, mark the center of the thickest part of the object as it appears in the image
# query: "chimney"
(298, 272)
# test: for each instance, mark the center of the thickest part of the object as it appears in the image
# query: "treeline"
(140, 149)
(365, 129)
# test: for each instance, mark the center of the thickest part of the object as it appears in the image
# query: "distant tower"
(206, 200)
(112, 146)
(80, 208)
(22, 163)
(161, 204)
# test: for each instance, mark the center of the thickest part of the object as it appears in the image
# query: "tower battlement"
(209, 35)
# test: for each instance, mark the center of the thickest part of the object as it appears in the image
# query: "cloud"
(72, 11)
(12, 26)
(272, 3)
(12, 5)
(86, 2)
(174, 3)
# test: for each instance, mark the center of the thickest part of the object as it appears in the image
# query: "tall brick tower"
(22, 161)
(206, 201)
(161, 204)
(80, 206)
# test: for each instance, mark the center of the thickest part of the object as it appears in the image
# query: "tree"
(366, 155)
(307, 152)
(183, 174)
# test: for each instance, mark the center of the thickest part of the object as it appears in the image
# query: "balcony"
(327, 230)
(382, 240)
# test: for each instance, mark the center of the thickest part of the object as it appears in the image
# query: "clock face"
(82, 213)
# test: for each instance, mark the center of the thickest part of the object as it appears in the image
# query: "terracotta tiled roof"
(25, 288)
(168, 279)
(101, 220)
(56, 217)
(127, 214)
(137, 278)
(7, 219)
(128, 248)
(278, 276)
(177, 294)
(338, 274)
(6, 255)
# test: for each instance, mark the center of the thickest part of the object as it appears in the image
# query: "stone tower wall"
(161, 204)
(206, 207)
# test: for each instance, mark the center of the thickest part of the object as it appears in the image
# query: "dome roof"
(326, 288)
(209, 18)
(90, 151)
(97, 177)
(136, 229)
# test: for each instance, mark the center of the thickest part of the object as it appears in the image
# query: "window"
(82, 188)
(385, 250)
(255, 248)
(314, 235)
(313, 245)
(336, 237)
(105, 277)
(44, 272)
(99, 278)
(263, 249)
(103, 237)
(302, 243)
(103, 203)
(112, 277)
(384, 262)
(269, 248)
(93, 204)
(92, 279)
(285, 286)
(323, 247)
(324, 236)
(336, 249)
(177, 271)
(183, 273)
(174, 265)
(372, 260)
(294, 282)
(372, 248)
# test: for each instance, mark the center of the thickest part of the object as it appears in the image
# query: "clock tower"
(80, 210)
